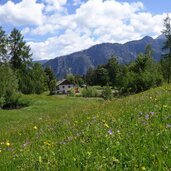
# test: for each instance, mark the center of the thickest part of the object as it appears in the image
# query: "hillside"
(79, 62)
(67, 133)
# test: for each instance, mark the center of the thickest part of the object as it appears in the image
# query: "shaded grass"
(66, 133)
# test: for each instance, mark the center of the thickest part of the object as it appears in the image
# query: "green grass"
(67, 133)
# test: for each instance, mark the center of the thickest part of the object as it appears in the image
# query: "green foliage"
(89, 92)
(2, 102)
(90, 76)
(68, 133)
(8, 83)
(52, 86)
(79, 80)
(142, 74)
(38, 78)
(50, 80)
(70, 78)
(166, 61)
(20, 60)
(9, 98)
(3, 46)
(20, 56)
(71, 92)
(102, 78)
(138, 76)
(107, 93)
(113, 68)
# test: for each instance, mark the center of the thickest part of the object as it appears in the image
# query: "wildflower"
(151, 98)
(110, 131)
(143, 168)
(106, 125)
(89, 153)
(0, 151)
(40, 159)
(47, 143)
(115, 160)
(147, 116)
(140, 114)
(118, 131)
(35, 127)
(168, 126)
(7, 144)
(26, 144)
(164, 106)
(152, 113)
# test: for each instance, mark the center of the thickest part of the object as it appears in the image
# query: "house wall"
(65, 88)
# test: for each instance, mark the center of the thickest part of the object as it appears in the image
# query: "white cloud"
(62, 45)
(26, 12)
(94, 21)
(55, 5)
(77, 2)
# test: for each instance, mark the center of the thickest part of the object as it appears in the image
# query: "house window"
(63, 86)
(69, 86)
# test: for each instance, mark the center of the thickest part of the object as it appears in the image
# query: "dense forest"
(18, 74)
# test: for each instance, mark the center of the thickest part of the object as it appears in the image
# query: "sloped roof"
(63, 82)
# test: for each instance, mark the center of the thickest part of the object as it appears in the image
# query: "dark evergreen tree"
(102, 77)
(166, 63)
(20, 60)
(90, 76)
(38, 78)
(113, 69)
(3, 46)
(19, 51)
(50, 80)
(70, 78)
(8, 84)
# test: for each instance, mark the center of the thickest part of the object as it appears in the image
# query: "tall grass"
(67, 133)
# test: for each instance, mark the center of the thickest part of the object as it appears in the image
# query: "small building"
(64, 86)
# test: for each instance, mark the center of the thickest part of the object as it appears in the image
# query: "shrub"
(71, 92)
(2, 102)
(14, 101)
(107, 93)
(89, 92)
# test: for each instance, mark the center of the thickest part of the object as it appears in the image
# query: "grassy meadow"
(74, 133)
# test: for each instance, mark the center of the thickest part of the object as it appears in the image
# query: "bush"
(138, 82)
(2, 102)
(89, 92)
(107, 93)
(14, 101)
(71, 92)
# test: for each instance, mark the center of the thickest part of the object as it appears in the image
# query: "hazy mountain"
(79, 62)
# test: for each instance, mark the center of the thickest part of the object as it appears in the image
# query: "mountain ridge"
(79, 62)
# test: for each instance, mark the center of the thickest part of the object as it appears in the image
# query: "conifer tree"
(167, 45)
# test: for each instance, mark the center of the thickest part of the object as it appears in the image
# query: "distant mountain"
(41, 61)
(79, 62)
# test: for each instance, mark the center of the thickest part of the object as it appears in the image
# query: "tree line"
(18, 74)
(138, 75)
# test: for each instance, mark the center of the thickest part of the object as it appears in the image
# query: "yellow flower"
(40, 159)
(143, 168)
(164, 106)
(47, 143)
(106, 125)
(0, 151)
(35, 127)
(7, 144)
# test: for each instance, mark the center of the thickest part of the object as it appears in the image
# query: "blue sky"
(58, 27)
